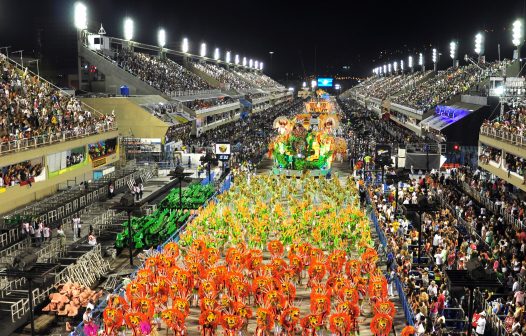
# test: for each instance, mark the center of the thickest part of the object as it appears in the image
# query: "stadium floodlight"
(256, 65)
(434, 56)
(385, 69)
(379, 70)
(410, 62)
(395, 67)
(161, 38)
(81, 16)
(236, 60)
(216, 54)
(202, 50)
(185, 46)
(304, 85)
(251, 63)
(128, 29)
(244, 61)
(402, 65)
(517, 33)
(313, 83)
(261, 66)
(453, 50)
(421, 59)
(389, 67)
(479, 44)
(227, 57)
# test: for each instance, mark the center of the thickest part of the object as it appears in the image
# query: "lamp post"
(38, 68)
(180, 175)
(21, 52)
(81, 24)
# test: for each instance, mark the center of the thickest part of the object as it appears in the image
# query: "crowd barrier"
(507, 136)
(408, 312)
(49, 139)
(97, 312)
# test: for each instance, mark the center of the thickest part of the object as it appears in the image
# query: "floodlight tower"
(421, 62)
(161, 40)
(410, 63)
(395, 67)
(385, 70)
(518, 37)
(261, 66)
(402, 66)
(202, 50)
(216, 54)
(389, 68)
(453, 48)
(479, 46)
(435, 59)
(128, 31)
(81, 23)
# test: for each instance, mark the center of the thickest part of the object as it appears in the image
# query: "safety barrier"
(408, 312)
(515, 139)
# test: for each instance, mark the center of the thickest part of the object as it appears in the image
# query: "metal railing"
(18, 145)
(507, 136)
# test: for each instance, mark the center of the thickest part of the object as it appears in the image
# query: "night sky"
(349, 38)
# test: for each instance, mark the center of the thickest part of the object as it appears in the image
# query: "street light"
(128, 29)
(453, 51)
(184, 45)
(227, 57)
(81, 16)
(236, 59)
(161, 38)
(202, 51)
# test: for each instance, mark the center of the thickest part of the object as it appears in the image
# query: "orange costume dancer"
(241, 310)
(320, 305)
(112, 320)
(381, 324)
(408, 331)
(340, 324)
(231, 324)
(289, 320)
(352, 310)
(175, 320)
(134, 320)
(310, 324)
(208, 322)
(265, 322)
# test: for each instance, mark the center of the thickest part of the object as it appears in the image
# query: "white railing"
(184, 93)
(12, 146)
(507, 136)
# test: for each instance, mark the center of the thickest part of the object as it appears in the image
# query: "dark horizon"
(343, 39)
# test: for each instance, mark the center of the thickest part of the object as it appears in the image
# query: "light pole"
(81, 23)
(410, 63)
(21, 52)
(479, 45)
(517, 34)
(421, 62)
(453, 52)
(271, 53)
(6, 50)
(435, 59)
(161, 39)
(38, 68)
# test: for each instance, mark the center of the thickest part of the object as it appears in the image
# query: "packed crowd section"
(222, 75)
(19, 173)
(163, 74)
(512, 122)
(30, 107)
(387, 86)
(201, 104)
(257, 79)
(446, 84)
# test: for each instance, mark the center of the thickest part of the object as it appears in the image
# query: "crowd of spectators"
(258, 80)
(386, 86)
(74, 158)
(31, 107)
(446, 84)
(201, 104)
(163, 74)
(249, 137)
(223, 76)
(20, 173)
(512, 122)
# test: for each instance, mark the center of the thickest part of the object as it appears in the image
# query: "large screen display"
(325, 82)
